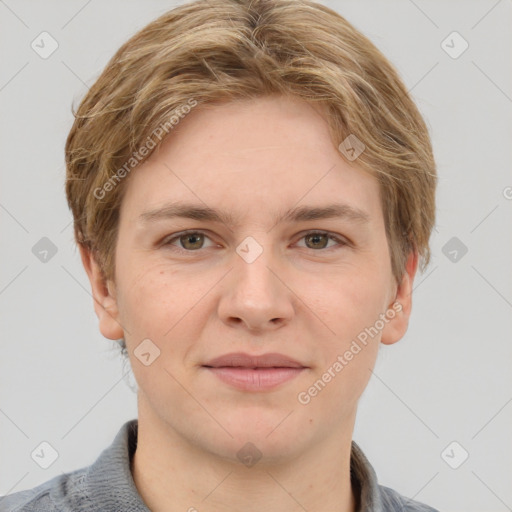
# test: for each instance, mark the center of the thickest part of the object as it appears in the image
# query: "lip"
(254, 372)
(244, 360)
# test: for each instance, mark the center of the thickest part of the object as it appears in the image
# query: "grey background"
(448, 380)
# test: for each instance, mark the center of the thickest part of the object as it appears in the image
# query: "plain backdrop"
(447, 381)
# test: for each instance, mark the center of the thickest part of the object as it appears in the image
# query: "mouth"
(254, 373)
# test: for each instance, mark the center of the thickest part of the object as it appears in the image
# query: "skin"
(303, 298)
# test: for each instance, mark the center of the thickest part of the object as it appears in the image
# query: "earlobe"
(400, 309)
(104, 298)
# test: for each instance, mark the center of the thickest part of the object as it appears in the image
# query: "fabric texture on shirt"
(107, 485)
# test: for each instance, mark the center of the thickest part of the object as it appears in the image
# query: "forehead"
(253, 159)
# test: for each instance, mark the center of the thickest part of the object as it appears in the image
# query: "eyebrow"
(298, 214)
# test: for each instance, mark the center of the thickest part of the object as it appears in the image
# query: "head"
(251, 109)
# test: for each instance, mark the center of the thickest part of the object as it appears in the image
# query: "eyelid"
(341, 240)
(332, 236)
(171, 238)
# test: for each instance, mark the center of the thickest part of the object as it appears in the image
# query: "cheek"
(347, 351)
(170, 308)
(159, 306)
(155, 299)
(350, 307)
(349, 302)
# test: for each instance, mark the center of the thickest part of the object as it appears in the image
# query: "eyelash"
(168, 241)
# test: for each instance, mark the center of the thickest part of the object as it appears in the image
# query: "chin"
(274, 429)
(252, 449)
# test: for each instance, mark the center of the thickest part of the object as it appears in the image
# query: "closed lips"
(244, 360)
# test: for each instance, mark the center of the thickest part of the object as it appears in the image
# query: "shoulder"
(392, 501)
(46, 497)
(374, 496)
(106, 484)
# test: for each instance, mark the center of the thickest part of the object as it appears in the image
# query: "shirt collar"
(109, 480)
(364, 482)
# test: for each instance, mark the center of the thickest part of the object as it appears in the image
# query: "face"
(254, 281)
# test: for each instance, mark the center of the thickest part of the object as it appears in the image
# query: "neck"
(172, 474)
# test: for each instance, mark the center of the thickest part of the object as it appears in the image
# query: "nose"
(255, 295)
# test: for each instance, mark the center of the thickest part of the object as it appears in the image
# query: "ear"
(105, 303)
(397, 324)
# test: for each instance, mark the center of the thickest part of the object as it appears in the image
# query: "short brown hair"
(214, 51)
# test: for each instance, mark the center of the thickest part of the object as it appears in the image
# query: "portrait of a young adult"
(253, 194)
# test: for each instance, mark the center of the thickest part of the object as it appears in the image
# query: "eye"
(192, 241)
(320, 239)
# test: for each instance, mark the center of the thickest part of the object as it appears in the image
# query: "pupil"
(316, 237)
(192, 237)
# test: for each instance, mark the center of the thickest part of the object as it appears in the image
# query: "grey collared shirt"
(107, 485)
